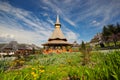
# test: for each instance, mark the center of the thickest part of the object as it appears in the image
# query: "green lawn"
(65, 66)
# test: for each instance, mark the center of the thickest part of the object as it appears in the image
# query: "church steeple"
(57, 24)
(56, 40)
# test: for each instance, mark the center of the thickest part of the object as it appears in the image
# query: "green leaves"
(111, 33)
(67, 66)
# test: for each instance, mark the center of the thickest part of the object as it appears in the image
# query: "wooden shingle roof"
(57, 33)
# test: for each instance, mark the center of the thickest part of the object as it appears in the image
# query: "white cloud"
(45, 14)
(103, 10)
(6, 37)
(6, 7)
(58, 10)
(95, 23)
(70, 35)
(35, 30)
(21, 14)
(50, 21)
(85, 11)
(22, 36)
(70, 22)
(67, 1)
(44, 7)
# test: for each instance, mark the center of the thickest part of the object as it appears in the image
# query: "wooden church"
(57, 43)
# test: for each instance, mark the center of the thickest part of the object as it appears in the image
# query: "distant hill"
(14, 45)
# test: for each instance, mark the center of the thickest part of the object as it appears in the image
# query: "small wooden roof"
(57, 42)
(75, 44)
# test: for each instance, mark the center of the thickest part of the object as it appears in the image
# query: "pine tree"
(83, 45)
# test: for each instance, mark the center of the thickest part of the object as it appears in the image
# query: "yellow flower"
(53, 72)
(17, 60)
(22, 62)
(42, 71)
(58, 68)
(17, 73)
(41, 67)
(68, 60)
(32, 73)
(61, 65)
(28, 66)
(33, 68)
(35, 75)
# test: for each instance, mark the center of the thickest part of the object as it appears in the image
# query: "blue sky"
(32, 21)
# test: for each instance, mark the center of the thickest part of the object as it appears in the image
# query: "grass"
(65, 66)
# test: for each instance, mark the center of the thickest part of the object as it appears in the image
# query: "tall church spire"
(57, 24)
(57, 20)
